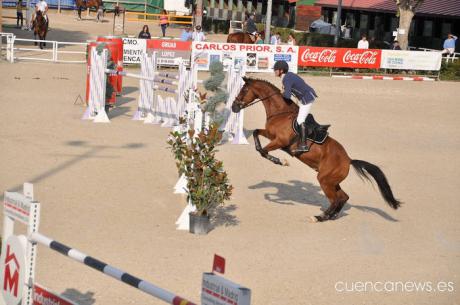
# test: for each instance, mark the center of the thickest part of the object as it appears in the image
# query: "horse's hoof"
(312, 219)
(284, 162)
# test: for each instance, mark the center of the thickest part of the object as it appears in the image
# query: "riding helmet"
(281, 65)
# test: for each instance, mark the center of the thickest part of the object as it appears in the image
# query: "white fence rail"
(55, 51)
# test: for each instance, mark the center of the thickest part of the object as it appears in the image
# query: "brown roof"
(428, 7)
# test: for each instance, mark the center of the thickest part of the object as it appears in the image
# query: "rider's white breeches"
(304, 110)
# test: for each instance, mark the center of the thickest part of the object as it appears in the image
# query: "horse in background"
(82, 4)
(242, 37)
(40, 27)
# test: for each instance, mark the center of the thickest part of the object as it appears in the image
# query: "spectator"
(198, 35)
(363, 43)
(347, 32)
(145, 33)
(19, 15)
(291, 40)
(395, 45)
(275, 39)
(186, 35)
(449, 44)
(259, 39)
(164, 22)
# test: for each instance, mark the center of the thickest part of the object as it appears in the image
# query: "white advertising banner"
(411, 60)
(217, 290)
(133, 48)
(256, 57)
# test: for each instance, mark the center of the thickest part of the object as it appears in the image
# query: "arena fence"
(59, 51)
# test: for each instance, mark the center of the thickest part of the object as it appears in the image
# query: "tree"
(406, 11)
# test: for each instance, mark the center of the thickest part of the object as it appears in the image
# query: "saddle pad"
(316, 135)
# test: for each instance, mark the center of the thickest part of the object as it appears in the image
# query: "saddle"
(316, 132)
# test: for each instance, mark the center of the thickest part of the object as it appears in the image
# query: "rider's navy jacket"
(294, 84)
(251, 26)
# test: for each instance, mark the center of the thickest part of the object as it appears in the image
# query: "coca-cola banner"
(339, 57)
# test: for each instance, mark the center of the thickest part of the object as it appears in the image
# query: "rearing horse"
(81, 4)
(329, 159)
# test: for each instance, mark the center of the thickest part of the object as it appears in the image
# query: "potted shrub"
(207, 182)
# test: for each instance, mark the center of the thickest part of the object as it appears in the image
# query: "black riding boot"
(302, 146)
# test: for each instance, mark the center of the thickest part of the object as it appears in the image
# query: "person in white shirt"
(275, 39)
(41, 6)
(363, 43)
(198, 35)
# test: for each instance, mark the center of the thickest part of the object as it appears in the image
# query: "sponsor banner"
(256, 57)
(217, 290)
(339, 57)
(17, 206)
(43, 296)
(13, 269)
(168, 51)
(133, 48)
(411, 60)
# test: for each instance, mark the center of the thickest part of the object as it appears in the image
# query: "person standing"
(291, 40)
(145, 34)
(396, 45)
(294, 84)
(19, 15)
(275, 39)
(186, 35)
(363, 43)
(198, 35)
(449, 44)
(164, 23)
(259, 39)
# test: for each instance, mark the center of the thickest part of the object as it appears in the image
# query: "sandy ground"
(107, 190)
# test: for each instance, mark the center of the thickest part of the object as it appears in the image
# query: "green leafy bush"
(450, 70)
(207, 182)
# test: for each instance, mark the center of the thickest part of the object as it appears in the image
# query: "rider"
(294, 84)
(43, 7)
(251, 27)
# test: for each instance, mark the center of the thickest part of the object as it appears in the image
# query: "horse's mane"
(251, 80)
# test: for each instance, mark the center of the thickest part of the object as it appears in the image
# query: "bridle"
(240, 102)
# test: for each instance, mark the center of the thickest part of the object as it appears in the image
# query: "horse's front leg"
(273, 145)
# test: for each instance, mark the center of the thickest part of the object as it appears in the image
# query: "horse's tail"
(364, 168)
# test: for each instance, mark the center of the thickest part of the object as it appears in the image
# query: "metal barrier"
(172, 19)
(53, 54)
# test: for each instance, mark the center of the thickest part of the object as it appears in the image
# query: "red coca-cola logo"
(364, 58)
(322, 56)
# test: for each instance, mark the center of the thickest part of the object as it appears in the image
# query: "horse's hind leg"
(342, 198)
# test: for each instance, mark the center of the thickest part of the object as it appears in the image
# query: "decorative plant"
(214, 104)
(207, 182)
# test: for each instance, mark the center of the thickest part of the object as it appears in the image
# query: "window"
(428, 28)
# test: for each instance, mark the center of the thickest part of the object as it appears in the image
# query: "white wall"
(175, 5)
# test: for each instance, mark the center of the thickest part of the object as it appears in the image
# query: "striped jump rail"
(113, 272)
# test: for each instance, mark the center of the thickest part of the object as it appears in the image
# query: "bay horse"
(329, 159)
(242, 37)
(82, 4)
(40, 27)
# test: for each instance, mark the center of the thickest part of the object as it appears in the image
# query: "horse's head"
(245, 97)
(253, 91)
